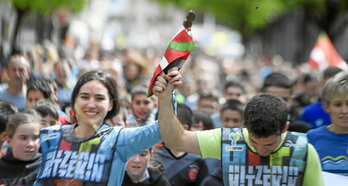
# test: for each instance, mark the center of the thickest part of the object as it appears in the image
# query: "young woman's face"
(92, 103)
(338, 110)
(25, 141)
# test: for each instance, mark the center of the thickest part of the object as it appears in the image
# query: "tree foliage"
(47, 7)
(247, 16)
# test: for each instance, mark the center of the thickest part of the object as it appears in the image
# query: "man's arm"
(172, 132)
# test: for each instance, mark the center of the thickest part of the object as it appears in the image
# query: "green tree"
(248, 16)
(259, 18)
(44, 9)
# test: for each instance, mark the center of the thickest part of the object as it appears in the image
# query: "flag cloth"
(175, 55)
(324, 54)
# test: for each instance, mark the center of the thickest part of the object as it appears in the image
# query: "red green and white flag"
(324, 54)
(175, 55)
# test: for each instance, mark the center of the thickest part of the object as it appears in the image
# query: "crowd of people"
(66, 120)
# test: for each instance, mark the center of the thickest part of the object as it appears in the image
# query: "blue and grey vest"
(75, 163)
(241, 166)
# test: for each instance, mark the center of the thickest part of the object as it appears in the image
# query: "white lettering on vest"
(71, 165)
(262, 175)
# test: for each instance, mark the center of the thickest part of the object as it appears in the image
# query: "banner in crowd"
(324, 54)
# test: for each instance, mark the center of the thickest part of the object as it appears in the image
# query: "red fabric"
(171, 55)
(253, 158)
(324, 54)
(182, 37)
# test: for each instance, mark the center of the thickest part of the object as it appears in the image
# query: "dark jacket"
(18, 172)
(156, 179)
(214, 179)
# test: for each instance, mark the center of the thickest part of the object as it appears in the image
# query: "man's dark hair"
(265, 115)
(204, 118)
(276, 79)
(331, 71)
(47, 107)
(138, 90)
(40, 84)
(212, 95)
(233, 83)
(7, 109)
(185, 114)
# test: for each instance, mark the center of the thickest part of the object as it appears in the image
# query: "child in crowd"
(201, 121)
(49, 112)
(39, 88)
(181, 168)
(7, 109)
(142, 170)
(22, 162)
(231, 114)
(120, 119)
(143, 108)
(331, 141)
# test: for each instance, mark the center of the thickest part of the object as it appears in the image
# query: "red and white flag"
(175, 55)
(324, 54)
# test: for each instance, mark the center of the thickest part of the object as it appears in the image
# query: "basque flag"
(175, 55)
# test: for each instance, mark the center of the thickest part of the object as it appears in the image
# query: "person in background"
(201, 121)
(280, 85)
(37, 88)
(120, 119)
(231, 114)
(143, 170)
(181, 168)
(209, 102)
(65, 82)
(309, 94)
(187, 93)
(315, 114)
(22, 162)
(143, 107)
(235, 90)
(135, 69)
(7, 109)
(258, 146)
(331, 141)
(18, 72)
(49, 112)
(91, 140)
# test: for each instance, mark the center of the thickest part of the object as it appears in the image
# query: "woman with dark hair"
(92, 152)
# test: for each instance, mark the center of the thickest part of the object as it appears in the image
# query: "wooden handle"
(188, 20)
